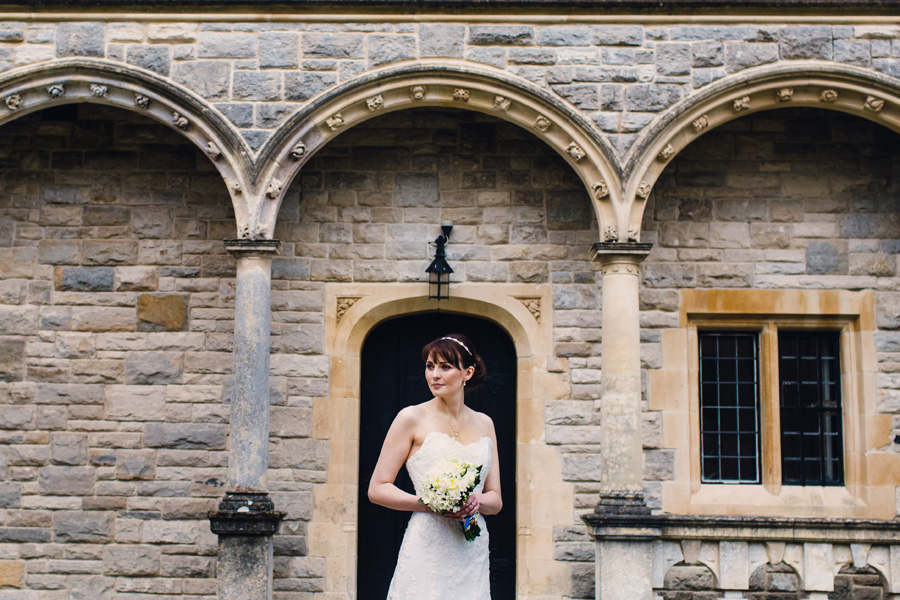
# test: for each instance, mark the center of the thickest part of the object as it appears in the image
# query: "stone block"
(707, 54)
(743, 55)
(303, 86)
(390, 48)
(151, 222)
(202, 436)
(501, 35)
(827, 258)
(83, 526)
(12, 574)
(618, 35)
(162, 312)
(490, 56)
(17, 417)
(565, 35)
(172, 33)
(209, 78)
(59, 252)
(105, 252)
(441, 40)
(187, 566)
(222, 44)
(84, 279)
(18, 320)
(136, 402)
(69, 448)
(17, 262)
(673, 59)
(131, 561)
(256, 86)
(136, 464)
(10, 497)
(171, 532)
(584, 96)
(651, 97)
(80, 39)
(333, 45)
(806, 42)
(152, 58)
(136, 279)
(417, 189)
(153, 367)
(278, 50)
(66, 481)
(12, 358)
(102, 318)
(852, 52)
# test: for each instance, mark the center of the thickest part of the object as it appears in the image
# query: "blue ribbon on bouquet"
(471, 528)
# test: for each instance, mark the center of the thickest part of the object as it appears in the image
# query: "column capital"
(248, 247)
(628, 254)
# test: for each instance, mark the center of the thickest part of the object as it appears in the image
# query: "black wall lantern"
(439, 271)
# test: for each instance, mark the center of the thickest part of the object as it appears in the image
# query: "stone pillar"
(246, 519)
(623, 566)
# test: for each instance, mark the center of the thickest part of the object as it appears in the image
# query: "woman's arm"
(394, 452)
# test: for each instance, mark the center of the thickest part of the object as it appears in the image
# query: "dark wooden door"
(393, 377)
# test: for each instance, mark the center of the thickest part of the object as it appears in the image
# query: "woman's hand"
(469, 508)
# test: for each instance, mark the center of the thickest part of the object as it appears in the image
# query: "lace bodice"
(436, 562)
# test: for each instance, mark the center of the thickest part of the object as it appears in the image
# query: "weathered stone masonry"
(117, 296)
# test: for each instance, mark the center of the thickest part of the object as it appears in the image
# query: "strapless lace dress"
(435, 561)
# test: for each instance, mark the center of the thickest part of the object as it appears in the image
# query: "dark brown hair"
(457, 349)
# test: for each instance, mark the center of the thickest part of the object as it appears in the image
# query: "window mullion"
(769, 396)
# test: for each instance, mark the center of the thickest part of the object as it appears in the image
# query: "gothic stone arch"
(847, 89)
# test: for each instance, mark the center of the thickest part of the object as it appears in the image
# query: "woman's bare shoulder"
(485, 423)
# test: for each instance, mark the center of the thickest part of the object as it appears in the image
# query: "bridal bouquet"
(448, 486)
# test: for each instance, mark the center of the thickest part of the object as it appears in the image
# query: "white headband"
(460, 343)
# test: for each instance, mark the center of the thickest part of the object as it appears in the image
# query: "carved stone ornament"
(633, 233)
(14, 102)
(700, 123)
(141, 101)
(575, 151)
(57, 90)
(502, 103)
(335, 121)
(236, 189)
(542, 123)
(742, 104)
(461, 94)
(666, 153)
(610, 234)
(375, 102)
(533, 305)
(828, 96)
(873, 104)
(643, 190)
(343, 305)
(98, 90)
(784, 94)
(180, 120)
(601, 190)
(298, 151)
(274, 189)
(417, 92)
(213, 151)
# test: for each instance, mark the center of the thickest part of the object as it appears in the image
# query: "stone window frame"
(868, 490)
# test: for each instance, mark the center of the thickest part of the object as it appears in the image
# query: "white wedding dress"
(436, 562)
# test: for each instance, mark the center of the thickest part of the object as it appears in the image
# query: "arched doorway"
(393, 377)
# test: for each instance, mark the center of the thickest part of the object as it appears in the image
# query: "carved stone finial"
(601, 190)
(633, 233)
(873, 104)
(417, 92)
(298, 151)
(274, 189)
(502, 103)
(56, 90)
(542, 123)
(461, 94)
(14, 102)
(141, 101)
(375, 102)
(828, 95)
(666, 153)
(180, 120)
(212, 150)
(784, 94)
(742, 104)
(643, 190)
(335, 121)
(98, 90)
(343, 305)
(700, 123)
(533, 305)
(575, 151)
(610, 234)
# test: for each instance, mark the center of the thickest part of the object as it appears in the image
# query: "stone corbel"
(245, 514)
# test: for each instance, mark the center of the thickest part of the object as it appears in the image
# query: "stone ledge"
(245, 514)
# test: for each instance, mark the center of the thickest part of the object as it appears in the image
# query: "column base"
(245, 514)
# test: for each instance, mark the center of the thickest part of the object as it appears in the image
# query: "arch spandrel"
(447, 85)
(36, 87)
(846, 89)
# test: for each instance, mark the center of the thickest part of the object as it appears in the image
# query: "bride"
(436, 562)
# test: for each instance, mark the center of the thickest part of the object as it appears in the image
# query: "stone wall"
(258, 74)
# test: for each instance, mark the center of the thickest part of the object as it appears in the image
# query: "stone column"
(246, 519)
(623, 566)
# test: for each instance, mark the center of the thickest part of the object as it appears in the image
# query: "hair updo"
(457, 349)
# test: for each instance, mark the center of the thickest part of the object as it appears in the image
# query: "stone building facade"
(622, 182)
